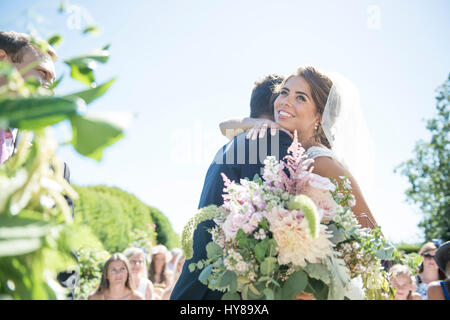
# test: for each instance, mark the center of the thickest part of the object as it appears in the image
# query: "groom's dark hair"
(263, 96)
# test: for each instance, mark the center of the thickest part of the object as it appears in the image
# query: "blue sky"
(185, 66)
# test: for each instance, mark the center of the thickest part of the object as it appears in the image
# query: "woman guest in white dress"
(144, 286)
(310, 103)
(117, 281)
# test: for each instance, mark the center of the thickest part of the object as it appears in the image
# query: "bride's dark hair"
(320, 86)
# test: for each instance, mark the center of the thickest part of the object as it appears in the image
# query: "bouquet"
(290, 232)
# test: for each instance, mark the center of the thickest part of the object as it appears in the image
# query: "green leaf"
(204, 275)
(272, 250)
(94, 132)
(242, 239)
(234, 283)
(213, 250)
(269, 294)
(245, 292)
(200, 265)
(226, 279)
(55, 40)
(338, 236)
(231, 296)
(90, 95)
(254, 289)
(260, 250)
(18, 247)
(294, 285)
(91, 29)
(268, 265)
(37, 112)
(21, 235)
(318, 288)
(82, 66)
(318, 271)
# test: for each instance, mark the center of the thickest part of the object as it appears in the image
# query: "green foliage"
(37, 236)
(408, 248)
(428, 172)
(91, 262)
(119, 219)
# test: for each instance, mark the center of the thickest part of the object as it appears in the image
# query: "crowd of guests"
(126, 275)
(432, 281)
(133, 275)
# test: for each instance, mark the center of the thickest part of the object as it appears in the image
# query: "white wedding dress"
(318, 151)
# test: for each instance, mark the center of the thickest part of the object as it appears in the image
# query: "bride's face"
(295, 108)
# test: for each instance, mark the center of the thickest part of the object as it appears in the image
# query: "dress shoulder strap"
(317, 151)
(445, 287)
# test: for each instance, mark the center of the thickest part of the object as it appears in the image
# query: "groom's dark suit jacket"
(240, 158)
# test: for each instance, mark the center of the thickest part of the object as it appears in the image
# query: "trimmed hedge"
(113, 214)
(408, 248)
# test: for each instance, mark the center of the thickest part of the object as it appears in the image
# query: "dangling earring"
(316, 126)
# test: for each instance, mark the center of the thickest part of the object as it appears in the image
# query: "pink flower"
(232, 224)
(318, 189)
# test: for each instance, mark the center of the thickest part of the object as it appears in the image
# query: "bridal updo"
(320, 86)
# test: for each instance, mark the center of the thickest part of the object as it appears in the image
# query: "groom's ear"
(4, 56)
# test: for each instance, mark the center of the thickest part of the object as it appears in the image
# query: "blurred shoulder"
(136, 296)
(415, 296)
(96, 296)
(434, 291)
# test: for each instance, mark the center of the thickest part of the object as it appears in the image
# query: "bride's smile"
(295, 108)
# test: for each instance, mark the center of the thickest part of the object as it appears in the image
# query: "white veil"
(345, 128)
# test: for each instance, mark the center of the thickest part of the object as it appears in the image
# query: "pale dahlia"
(291, 232)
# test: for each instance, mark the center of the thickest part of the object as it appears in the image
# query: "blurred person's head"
(19, 50)
(176, 252)
(442, 258)
(427, 251)
(301, 102)
(403, 282)
(160, 257)
(136, 257)
(261, 101)
(116, 272)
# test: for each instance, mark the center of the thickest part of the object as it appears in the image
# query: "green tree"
(115, 216)
(428, 172)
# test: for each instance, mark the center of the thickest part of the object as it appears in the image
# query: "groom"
(240, 158)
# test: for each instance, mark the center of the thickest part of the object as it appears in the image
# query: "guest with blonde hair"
(403, 282)
(136, 257)
(117, 281)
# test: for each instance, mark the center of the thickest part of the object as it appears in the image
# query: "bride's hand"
(260, 127)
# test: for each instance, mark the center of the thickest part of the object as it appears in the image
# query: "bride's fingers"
(273, 128)
(249, 134)
(255, 132)
(262, 131)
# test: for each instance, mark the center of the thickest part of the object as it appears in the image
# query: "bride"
(325, 112)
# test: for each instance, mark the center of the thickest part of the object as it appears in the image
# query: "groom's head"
(20, 50)
(261, 102)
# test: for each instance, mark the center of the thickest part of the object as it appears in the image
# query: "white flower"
(294, 241)
(354, 289)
